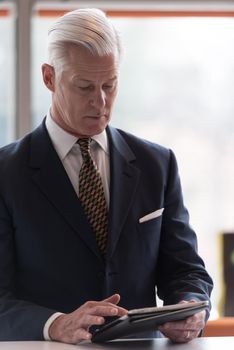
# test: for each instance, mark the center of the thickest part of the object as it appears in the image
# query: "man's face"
(83, 97)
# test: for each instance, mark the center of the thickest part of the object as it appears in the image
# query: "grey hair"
(89, 28)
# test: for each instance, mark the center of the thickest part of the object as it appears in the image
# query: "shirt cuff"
(48, 324)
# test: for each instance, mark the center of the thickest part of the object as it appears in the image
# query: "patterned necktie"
(91, 195)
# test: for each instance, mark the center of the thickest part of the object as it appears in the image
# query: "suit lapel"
(124, 181)
(51, 178)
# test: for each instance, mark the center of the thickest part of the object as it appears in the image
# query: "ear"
(48, 75)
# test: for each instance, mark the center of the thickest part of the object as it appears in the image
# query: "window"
(7, 72)
(175, 89)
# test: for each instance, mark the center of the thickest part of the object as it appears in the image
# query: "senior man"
(92, 218)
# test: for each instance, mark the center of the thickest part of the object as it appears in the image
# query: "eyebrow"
(90, 81)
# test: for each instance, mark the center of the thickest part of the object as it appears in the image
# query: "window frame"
(26, 8)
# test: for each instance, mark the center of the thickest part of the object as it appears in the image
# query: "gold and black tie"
(91, 195)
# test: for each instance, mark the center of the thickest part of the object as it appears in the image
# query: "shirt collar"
(63, 141)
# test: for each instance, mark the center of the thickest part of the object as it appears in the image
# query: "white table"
(218, 343)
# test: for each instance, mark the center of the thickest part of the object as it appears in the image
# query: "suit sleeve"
(181, 273)
(19, 319)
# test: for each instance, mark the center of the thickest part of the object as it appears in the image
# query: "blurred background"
(176, 88)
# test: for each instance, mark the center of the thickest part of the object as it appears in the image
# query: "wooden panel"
(148, 13)
(221, 327)
(4, 12)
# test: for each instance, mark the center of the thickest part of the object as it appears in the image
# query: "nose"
(98, 99)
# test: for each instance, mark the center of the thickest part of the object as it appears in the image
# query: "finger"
(80, 334)
(187, 301)
(181, 336)
(90, 320)
(192, 323)
(166, 330)
(176, 326)
(114, 299)
(75, 336)
(196, 321)
(105, 302)
(107, 310)
(185, 337)
(102, 308)
(111, 301)
(183, 302)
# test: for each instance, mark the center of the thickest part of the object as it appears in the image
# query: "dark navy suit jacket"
(49, 259)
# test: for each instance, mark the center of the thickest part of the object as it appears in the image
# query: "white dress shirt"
(70, 155)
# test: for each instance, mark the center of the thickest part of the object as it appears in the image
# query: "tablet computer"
(146, 319)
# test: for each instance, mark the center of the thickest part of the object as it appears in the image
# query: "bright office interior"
(176, 88)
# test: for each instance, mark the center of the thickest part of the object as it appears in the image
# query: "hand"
(74, 327)
(185, 330)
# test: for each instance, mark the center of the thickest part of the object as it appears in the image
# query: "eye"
(86, 88)
(108, 87)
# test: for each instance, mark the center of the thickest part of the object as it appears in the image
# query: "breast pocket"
(151, 226)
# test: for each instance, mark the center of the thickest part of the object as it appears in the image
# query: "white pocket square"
(151, 216)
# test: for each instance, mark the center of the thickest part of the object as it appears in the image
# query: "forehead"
(84, 64)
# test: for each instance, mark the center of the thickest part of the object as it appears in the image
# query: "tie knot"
(84, 146)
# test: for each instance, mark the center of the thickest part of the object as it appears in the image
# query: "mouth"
(96, 116)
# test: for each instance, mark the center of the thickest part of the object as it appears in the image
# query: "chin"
(95, 130)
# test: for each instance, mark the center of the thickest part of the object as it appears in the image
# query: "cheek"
(110, 100)
(113, 96)
(75, 102)
(77, 108)
(62, 98)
